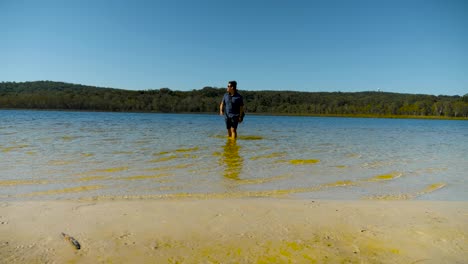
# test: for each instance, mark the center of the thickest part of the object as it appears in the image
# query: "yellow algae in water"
(339, 183)
(386, 177)
(143, 142)
(269, 156)
(281, 161)
(161, 153)
(68, 138)
(190, 156)
(122, 152)
(432, 187)
(241, 137)
(240, 194)
(87, 154)
(341, 166)
(187, 149)
(249, 137)
(302, 162)
(117, 169)
(353, 155)
(179, 166)
(231, 160)
(143, 177)
(66, 190)
(167, 188)
(378, 164)
(92, 178)
(8, 149)
(164, 159)
(59, 162)
(21, 182)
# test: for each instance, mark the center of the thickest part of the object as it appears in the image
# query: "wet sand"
(234, 231)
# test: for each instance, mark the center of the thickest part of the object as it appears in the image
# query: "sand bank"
(234, 231)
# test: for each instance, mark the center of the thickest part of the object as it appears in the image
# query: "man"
(232, 107)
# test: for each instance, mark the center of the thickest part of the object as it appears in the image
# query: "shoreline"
(248, 230)
(253, 114)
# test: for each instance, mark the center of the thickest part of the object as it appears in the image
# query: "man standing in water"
(232, 107)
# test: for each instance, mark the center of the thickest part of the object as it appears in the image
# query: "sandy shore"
(234, 231)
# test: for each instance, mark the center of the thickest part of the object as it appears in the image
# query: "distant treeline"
(66, 96)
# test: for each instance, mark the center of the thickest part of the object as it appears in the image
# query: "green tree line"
(66, 96)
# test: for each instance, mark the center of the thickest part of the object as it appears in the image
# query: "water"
(86, 155)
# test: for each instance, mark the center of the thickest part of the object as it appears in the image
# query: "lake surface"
(88, 155)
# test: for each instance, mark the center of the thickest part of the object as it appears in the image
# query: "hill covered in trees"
(66, 96)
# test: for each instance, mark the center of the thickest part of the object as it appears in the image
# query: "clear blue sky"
(396, 46)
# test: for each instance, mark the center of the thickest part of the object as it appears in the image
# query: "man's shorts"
(231, 122)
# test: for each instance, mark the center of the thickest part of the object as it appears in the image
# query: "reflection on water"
(154, 155)
(232, 160)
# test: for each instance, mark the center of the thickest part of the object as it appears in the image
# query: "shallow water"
(69, 155)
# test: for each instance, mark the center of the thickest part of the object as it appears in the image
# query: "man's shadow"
(232, 160)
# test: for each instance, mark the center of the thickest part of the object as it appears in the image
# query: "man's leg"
(227, 120)
(235, 122)
(233, 132)
(228, 126)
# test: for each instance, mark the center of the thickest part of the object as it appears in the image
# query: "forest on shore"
(49, 95)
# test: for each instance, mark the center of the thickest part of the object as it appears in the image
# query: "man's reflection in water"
(232, 160)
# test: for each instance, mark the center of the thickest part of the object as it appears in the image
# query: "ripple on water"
(163, 159)
(187, 149)
(173, 153)
(407, 196)
(69, 138)
(144, 177)
(13, 148)
(269, 156)
(93, 178)
(200, 162)
(21, 182)
(61, 162)
(179, 166)
(262, 180)
(235, 194)
(65, 190)
(116, 169)
(353, 155)
(123, 152)
(378, 164)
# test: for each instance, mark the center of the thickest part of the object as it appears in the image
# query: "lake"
(96, 155)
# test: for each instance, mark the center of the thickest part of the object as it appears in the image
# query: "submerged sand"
(234, 231)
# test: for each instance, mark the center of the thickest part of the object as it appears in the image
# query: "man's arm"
(241, 114)
(221, 107)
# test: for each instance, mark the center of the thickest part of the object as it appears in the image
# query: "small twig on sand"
(75, 243)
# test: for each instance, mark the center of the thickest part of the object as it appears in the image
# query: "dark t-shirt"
(232, 104)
